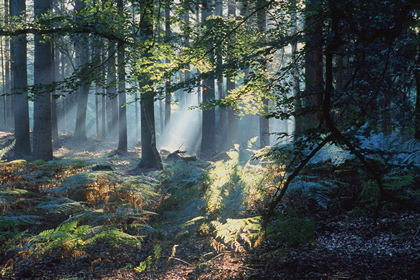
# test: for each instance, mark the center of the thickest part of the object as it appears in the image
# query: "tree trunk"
(230, 85)
(112, 101)
(311, 102)
(42, 141)
(9, 108)
(20, 82)
(417, 106)
(82, 53)
(137, 120)
(54, 116)
(222, 131)
(122, 113)
(168, 82)
(264, 122)
(103, 115)
(150, 157)
(299, 121)
(208, 137)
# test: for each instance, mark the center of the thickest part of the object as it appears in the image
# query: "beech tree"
(150, 157)
(42, 139)
(208, 135)
(122, 113)
(20, 82)
(83, 59)
(372, 86)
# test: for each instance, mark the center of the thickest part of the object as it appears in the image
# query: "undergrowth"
(59, 208)
(62, 208)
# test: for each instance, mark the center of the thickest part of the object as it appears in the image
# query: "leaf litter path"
(344, 246)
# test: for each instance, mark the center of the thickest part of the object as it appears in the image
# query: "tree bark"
(308, 109)
(150, 157)
(168, 82)
(6, 75)
(230, 85)
(122, 109)
(20, 82)
(417, 106)
(264, 122)
(54, 113)
(208, 137)
(42, 140)
(83, 58)
(112, 101)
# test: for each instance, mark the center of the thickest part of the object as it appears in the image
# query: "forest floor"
(344, 246)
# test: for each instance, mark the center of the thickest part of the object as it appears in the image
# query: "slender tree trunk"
(122, 113)
(208, 138)
(168, 82)
(222, 112)
(230, 85)
(64, 100)
(112, 103)
(122, 116)
(42, 140)
(20, 81)
(54, 113)
(103, 115)
(417, 106)
(9, 119)
(264, 122)
(100, 90)
(137, 120)
(97, 116)
(3, 96)
(54, 123)
(83, 58)
(299, 121)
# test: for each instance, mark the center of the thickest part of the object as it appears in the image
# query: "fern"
(7, 149)
(234, 184)
(62, 205)
(71, 240)
(62, 239)
(10, 241)
(94, 188)
(135, 192)
(317, 191)
(235, 231)
(14, 220)
(410, 152)
(391, 149)
(114, 236)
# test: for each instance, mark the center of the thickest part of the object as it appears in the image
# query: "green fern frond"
(10, 221)
(115, 236)
(315, 190)
(234, 184)
(88, 215)
(64, 227)
(117, 217)
(13, 194)
(62, 205)
(12, 242)
(233, 231)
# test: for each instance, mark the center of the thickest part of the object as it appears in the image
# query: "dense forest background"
(152, 138)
